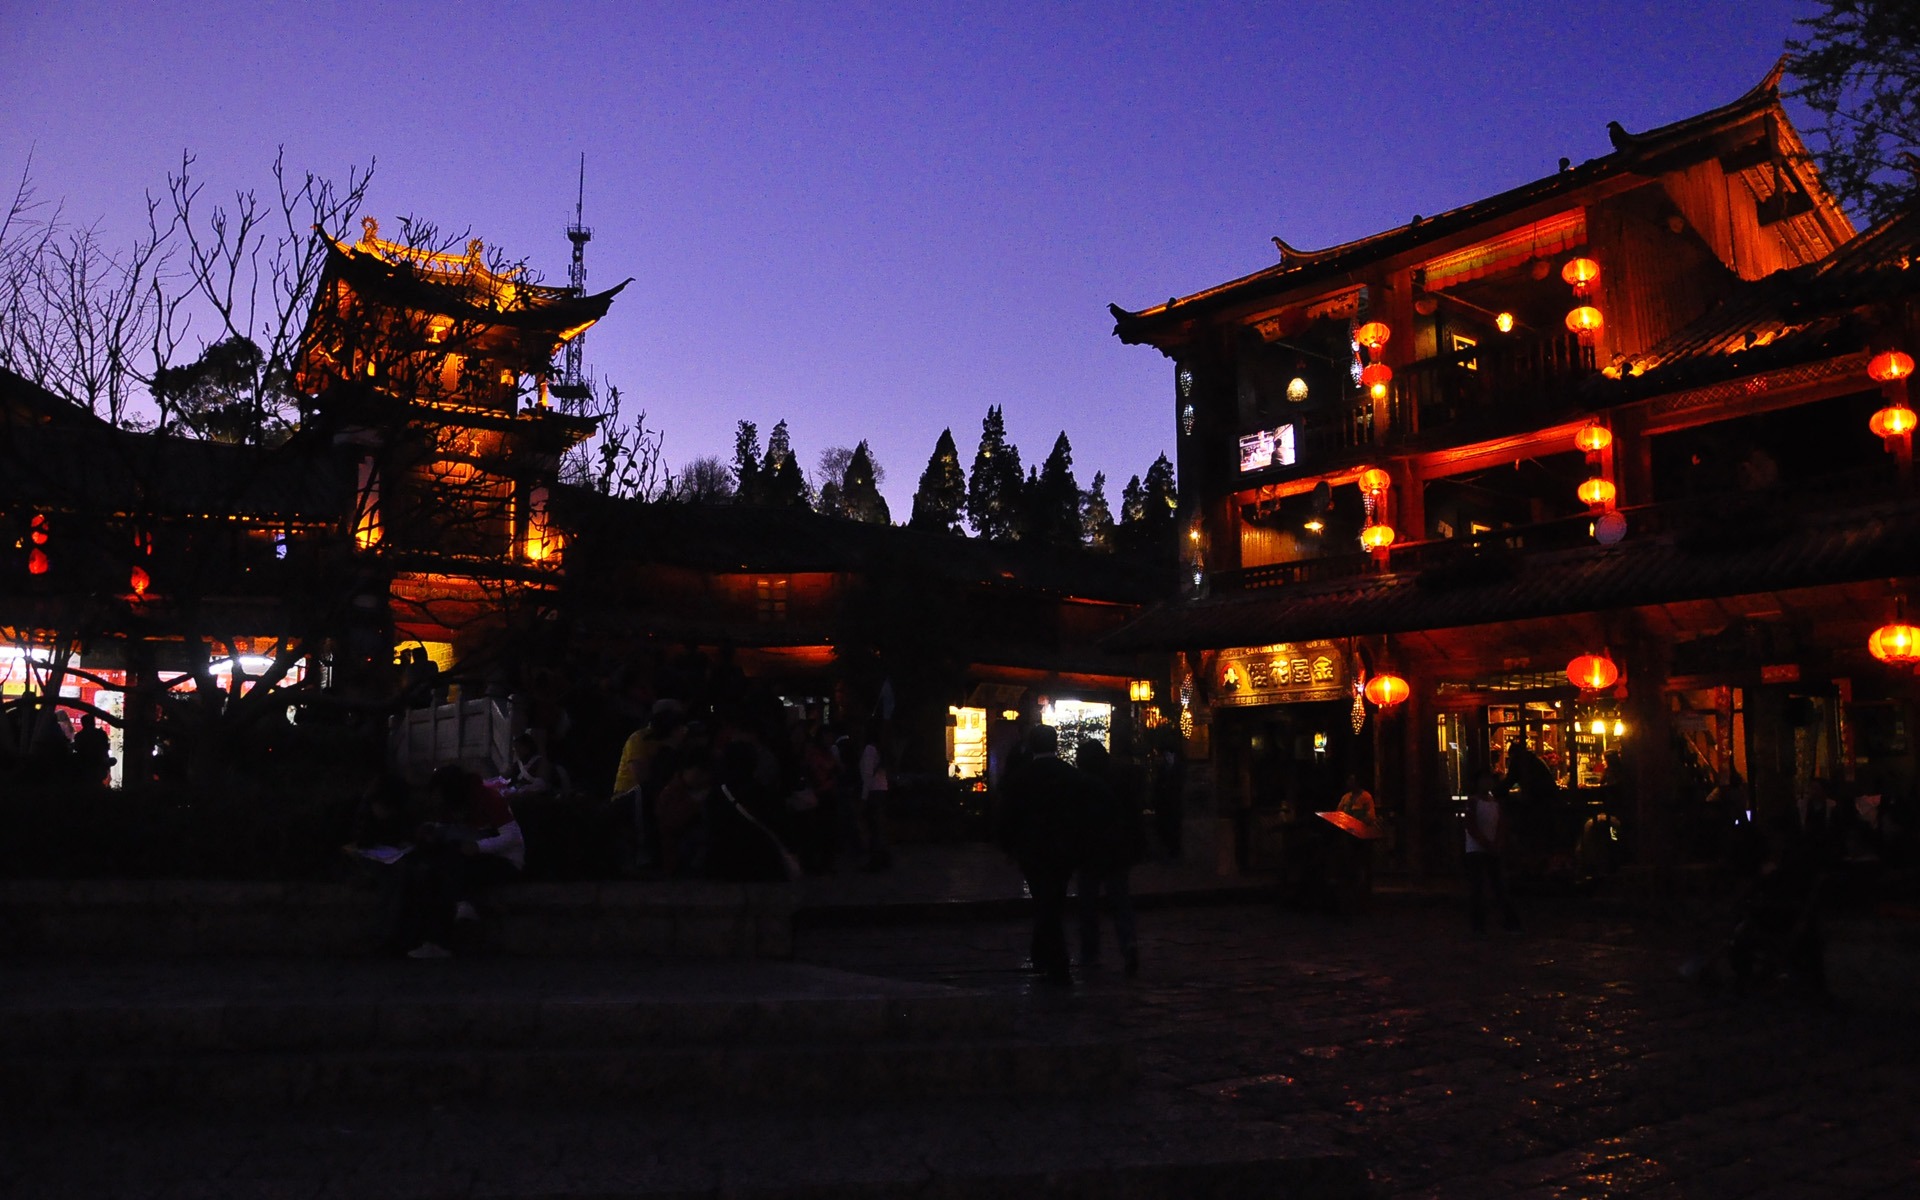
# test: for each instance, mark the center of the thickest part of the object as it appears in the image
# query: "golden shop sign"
(1287, 673)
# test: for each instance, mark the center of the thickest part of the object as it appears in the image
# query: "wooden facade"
(1756, 531)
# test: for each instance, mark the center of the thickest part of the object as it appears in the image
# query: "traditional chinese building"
(433, 367)
(1594, 465)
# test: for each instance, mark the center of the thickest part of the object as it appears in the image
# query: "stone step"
(876, 1070)
(121, 1035)
(943, 1149)
(204, 918)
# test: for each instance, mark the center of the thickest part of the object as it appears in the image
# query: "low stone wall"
(195, 917)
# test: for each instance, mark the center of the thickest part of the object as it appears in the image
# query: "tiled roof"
(1790, 316)
(1739, 546)
(1298, 268)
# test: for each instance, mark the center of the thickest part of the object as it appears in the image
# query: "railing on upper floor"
(1720, 519)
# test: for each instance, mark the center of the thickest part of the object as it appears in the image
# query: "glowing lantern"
(1580, 272)
(1895, 643)
(140, 581)
(1593, 437)
(1140, 690)
(1890, 367)
(1009, 714)
(1373, 479)
(1892, 422)
(1377, 537)
(1297, 389)
(1610, 528)
(1593, 672)
(1315, 525)
(1372, 335)
(1504, 322)
(1585, 321)
(1597, 492)
(1387, 690)
(37, 562)
(39, 529)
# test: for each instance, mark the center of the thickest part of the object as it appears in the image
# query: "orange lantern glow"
(1897, 642)
(1593, 672)
(1375, 379)
(1892, 421)
(1387, 690)
(1504, 322)
(1597, 492)
(39, 529)
(37, 562)
(1377, 537)
(1373, 335)
(1373, 479)
(1593, 437)
(140, 581)
(1580, 272)
(1890, 366)
(1585, 321)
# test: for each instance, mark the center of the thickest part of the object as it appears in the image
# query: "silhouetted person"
(91, 753)
(1048, 805)
(1115, 842)
(1485, 833)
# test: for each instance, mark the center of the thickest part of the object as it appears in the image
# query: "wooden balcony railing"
(1482, 384)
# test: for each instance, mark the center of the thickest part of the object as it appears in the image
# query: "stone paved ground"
(1567, 1061)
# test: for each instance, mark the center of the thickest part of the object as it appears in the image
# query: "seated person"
(479, 844)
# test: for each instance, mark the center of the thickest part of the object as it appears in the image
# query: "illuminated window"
(770, 599)
(1076, 721)
(366, 509)
(543, 541)
(967, 743)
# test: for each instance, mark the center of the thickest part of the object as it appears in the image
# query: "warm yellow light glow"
(1598, 727)
(1597, 492)
(1585, 321)
(1593, 437)
(1892, 421)
(1315, 525)
(1297, 389)
(1376, 376)
(1619, 729)
(1504, 322)
(1193, 535)
(1231, 678)
(1009, 714)
(1373, 335)
(1373, 479)
(1377, 537)
(1378, 391)
(1140, 691)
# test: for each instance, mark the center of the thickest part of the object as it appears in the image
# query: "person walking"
(1048, 807)
(1485, 829)
(1115, 843)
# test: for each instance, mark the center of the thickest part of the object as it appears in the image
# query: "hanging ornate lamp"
(1375, 377)
(1890, 366)
(1593, 672)
(1375, 481)
(1586, 322)
(1503, 322)
(1377, 537)
(1373, 335)
(139, 581)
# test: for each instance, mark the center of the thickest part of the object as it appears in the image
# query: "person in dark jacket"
(1048, 807)
(1114, 844)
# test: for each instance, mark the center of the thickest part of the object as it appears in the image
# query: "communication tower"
(573, 381)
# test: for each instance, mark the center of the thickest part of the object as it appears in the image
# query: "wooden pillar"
(1418, 771)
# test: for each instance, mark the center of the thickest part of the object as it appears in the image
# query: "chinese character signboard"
(1282, 674)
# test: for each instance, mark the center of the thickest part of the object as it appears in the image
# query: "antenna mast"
(573, 377)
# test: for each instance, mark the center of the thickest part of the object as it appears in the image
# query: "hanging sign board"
(1285, 673)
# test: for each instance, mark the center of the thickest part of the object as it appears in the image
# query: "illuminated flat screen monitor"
(1267, 448)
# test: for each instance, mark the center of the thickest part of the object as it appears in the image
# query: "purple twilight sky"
(873, 221)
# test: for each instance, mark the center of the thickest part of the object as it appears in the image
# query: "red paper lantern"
(1890, 366)
(1892, 421)
(140, 581)
(1593, 437)
(1580, 272)
(37, 562)
(1373, 335)
(1377, 537)
(1897, 642)
(1593, 672)
(1373, 479)
(1586, 321)
(1598, 492)
(1387, 690)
